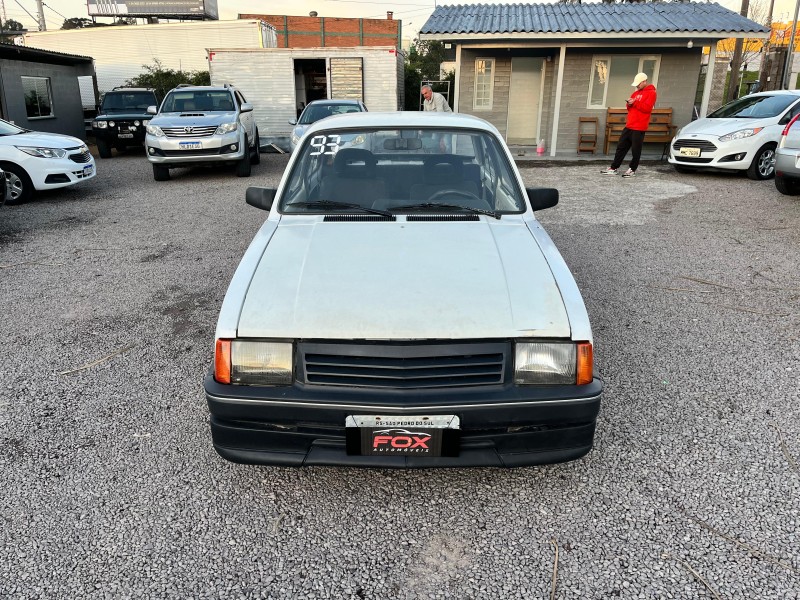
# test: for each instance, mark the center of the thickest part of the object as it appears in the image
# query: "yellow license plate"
(689, 152)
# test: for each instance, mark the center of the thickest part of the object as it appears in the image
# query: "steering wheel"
(454, 192)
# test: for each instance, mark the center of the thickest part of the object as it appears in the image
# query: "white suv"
(202, 124)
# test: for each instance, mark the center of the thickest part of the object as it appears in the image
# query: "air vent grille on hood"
(351, 218)
(442, 218)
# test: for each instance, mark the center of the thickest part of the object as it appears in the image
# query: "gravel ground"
(111, 488)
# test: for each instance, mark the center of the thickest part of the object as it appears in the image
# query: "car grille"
(704, 145)
(194, 132)
(83, 157)
(404, 366)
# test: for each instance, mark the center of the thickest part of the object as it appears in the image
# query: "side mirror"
(541, 198)
(152, 110)
(246, 107)
(292, 121)
(260, 197)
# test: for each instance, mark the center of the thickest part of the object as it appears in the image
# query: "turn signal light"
(585, 363)
(222, 361)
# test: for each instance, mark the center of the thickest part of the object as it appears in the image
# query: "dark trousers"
(629, 139)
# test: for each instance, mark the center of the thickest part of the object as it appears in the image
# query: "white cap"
(640, 77)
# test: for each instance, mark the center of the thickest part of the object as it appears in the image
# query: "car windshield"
(196, 100)
(7, 128)
(125, 101)
(402, 171)
(315, 112)
(755, 107)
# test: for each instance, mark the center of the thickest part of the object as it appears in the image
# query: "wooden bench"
(660, 131)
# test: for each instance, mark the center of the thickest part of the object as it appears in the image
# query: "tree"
(163, 80)
(77, 23)
(7, 26)
(423, 63)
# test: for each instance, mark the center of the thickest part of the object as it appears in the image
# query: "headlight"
(155, 130)
(742, 133)
(253, 363)
(111, 123)
(295, 138)
(136, 123)
(99, 124)
(43, 152)
(227, 127)
(553, 363)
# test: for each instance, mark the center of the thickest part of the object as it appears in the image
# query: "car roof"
(335, 101)
(777, 93)
(130, 89)
(204, 88)
(404, 119)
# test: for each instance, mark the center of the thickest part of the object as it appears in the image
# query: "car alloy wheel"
(20, 188)
(763, 165)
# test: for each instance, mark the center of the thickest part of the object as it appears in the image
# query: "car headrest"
(443, 168)
(355, 162)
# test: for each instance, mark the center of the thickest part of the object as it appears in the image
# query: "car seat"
(353, 178)
(446, 172)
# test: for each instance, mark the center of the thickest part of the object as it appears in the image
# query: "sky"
(413, 13)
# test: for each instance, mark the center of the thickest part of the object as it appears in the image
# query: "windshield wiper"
(435, 205)
(343, 205)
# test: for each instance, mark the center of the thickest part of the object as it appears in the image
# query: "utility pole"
(40, 15)
(732, 92)
(764, 75)
(787, 66)
(3, 9)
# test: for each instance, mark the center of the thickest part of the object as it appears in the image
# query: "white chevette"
(37, 160)
(401, 272)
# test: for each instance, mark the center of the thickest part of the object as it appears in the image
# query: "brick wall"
(317, 32)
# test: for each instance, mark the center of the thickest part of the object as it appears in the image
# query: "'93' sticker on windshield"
(324, 144)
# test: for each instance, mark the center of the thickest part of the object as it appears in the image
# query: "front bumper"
(175, 151)
(735, 155)
(304, 425)
(54, 173)
(130, 136)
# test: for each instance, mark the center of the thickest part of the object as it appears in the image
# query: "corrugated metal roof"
(559, 18)
(12, 51)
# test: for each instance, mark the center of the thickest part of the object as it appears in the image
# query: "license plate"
(689, 152)
(88, 170)
(125, 136)
(190, 145)
(373, 435)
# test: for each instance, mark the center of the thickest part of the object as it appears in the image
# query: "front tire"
(763, 165)
(160, 173)
(103, 149)
(787, 185)
(20, 186)
(243, 166)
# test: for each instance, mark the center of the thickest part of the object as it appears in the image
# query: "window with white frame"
(610, 83)
(484, 83)
(38, 97)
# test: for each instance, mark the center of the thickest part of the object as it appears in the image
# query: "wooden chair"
(587, 134)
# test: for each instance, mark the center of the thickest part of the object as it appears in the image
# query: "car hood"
(42, 139)
(194, 118)
(719, 127)
(400, 280)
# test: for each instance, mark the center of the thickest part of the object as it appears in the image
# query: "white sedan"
(36, 160)
(740, 136)
(402, 306)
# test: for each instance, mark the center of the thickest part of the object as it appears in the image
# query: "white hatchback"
(37, 160)
(740, 136)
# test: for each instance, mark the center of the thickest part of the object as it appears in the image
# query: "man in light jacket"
(640, 105)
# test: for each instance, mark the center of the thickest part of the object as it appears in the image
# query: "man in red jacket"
(640, 105)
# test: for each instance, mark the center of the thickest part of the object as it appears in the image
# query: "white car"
(321, 109)
(36, 160)
(740, 136)
(402, 307)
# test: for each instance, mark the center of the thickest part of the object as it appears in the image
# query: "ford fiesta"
(402, 306)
